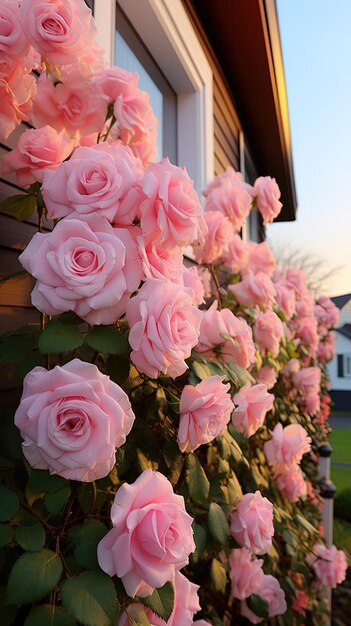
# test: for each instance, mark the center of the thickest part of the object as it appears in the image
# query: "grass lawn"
(341, 477)
(340, 440)
(342, 536)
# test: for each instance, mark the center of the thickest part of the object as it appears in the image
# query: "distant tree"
(316, 268)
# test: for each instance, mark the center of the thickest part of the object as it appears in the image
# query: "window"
(344, 365)
(132, 55)
(165, 32)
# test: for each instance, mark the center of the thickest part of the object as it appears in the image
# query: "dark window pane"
(340, 366)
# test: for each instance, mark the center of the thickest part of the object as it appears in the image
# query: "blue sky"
(316, 46)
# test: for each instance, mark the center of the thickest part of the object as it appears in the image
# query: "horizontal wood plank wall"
(226, 121)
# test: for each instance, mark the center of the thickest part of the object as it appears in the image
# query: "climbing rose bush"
(165, 411)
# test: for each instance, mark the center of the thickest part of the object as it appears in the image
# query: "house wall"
(345, 314)
(343, 346)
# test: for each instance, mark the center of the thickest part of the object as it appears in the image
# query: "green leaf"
(196, 479)
(6, 534)
(55, 501)
(59, 337)
(161, 601)
(258, 605)
(22, 206)
(14, 348)
(8, 504)
(87, 539)
(28, 363)
(90, 598)
(201, 370)
(48, 615)
(30, 535)
(218, 524)
(10, 439)
(140, 619)
(42, 480)
(200, 537)
(234, 489)
(218, 576)
(118, 368)
(33, 576)
(143, 462)
(174, 460)
(107, 339)
(306, 525)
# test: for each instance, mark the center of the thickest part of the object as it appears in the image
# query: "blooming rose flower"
(171, 213)
(285, 297)
(298, 281)
(304, 305)
(292, 484)
(72, 419)
(164, 327)
(192, 279)
(266, 375)
(287, 446)
(204, 412)
(254, 289)
(160, 262)
(301, 601)
(60, 30)
(267, 195)
(83, 265)
(95, 180)
(229, 176)
(37, 151)
(292, 366)
(152, 530)
(220, 232)
(245, 573)
(214, 324)
(186, 604)
(270, 590)
(253, 402)
(13, 41)
(261, 258)
(233, 198)
(307, 332)
(330, 565)
(327, 348)
(17, 92)
(268, 331)
(74, 104)
(236, 257)
(331, 312)
(252, 523)
(308, 380)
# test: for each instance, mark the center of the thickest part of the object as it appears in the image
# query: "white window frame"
(165, 29)
(347, 365)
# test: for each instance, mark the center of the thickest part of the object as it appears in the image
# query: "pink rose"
(245, 573)
(306, 331)
(37, 151)
(308, 380)
(13, 41)
(95, 180)
(270, 590)
(261, 258)
(267, 195)
(332, 313)
(233, 198)
(285, 297)
(253, 402)
(152, 530)
(214, 323)
(60, 30)
(287, 446)
(72, 419)
(313, 404)
(298, 280)
(236, 257)
(159, 262)
(304, 305)
(17, 92)
(74, 104)
(292, 366)
(204, 412)
(229, 176)
(251, 524)
(171, 213)
(164, 327)
(268, 331)
(292, 484)
(266, 375)
(327, 348)
(330, 565)
(301, 601)
(83, 265)
(192, 279)
(254, 289)
(219, 234)
(186, 604)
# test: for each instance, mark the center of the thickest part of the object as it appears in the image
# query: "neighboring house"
(215, 74)
(340, 367)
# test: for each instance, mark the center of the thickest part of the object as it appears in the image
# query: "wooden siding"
(226, 122)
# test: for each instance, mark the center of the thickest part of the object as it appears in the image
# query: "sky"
(316, 43)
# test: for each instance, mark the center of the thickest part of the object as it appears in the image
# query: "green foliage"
(107, 339)
(33, 576)
(30, 535)
(9, 504)
(90, 598)
(196, 479)
(49, 615)
(58, 337)
(218, 576)
(86, 541)
(342, 504)
(21, 206)
(161, 601)
(218, 524)
(140, 619)
(258, 605)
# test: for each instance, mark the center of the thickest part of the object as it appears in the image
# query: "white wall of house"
(345, 314)
(343, 346)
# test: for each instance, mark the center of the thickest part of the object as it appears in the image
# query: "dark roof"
(340, 301)
(344, 330)
(245, 37)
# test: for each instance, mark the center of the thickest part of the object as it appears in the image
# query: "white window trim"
(164, 27)
(347, 371)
